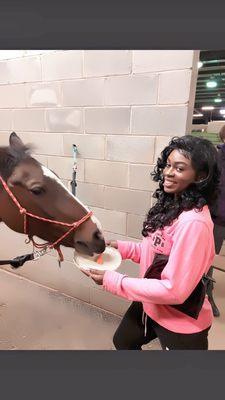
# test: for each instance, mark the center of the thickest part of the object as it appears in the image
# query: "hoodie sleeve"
(189, 258)
(130, 250)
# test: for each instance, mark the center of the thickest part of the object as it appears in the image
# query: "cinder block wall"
(120, 108)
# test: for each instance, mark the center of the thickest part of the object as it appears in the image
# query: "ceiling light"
(200, 64)
(208, 108)
(222, 111)
(211, 84)
(198, 115)
(218, 100)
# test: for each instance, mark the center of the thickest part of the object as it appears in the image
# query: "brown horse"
(34, 201)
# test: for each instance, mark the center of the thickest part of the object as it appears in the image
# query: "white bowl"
(111, 260)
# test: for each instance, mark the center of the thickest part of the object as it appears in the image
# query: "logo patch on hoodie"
(161, 242)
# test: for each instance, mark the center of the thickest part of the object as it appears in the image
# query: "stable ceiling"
(213, 68)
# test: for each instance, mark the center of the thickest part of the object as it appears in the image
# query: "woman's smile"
(168, 183)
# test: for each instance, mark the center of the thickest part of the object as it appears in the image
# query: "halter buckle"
(39, 253)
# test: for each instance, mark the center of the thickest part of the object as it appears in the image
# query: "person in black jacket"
(218, 216)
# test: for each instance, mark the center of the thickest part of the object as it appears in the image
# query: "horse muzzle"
(89, 248)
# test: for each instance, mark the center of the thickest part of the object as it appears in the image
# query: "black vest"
(193, 304)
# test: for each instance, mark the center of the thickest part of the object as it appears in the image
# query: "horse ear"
(15, 141)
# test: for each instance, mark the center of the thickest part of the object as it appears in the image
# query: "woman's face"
(178, 173)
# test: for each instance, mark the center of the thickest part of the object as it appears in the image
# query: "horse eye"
(37, 190)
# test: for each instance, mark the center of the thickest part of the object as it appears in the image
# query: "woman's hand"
(94, 274)
(112, 243)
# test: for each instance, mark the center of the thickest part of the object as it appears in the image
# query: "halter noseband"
(44, 247)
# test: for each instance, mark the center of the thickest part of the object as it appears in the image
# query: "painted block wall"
(120, 108)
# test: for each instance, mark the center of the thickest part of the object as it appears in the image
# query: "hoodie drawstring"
(144, 322)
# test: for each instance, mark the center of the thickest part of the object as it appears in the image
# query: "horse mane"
(10, 157)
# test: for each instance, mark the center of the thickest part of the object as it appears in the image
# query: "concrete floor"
(33, 317)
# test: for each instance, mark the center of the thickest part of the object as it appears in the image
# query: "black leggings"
(130, 335)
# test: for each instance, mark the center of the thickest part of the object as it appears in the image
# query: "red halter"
(26, 214)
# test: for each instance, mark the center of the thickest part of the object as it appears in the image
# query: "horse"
(35, 202)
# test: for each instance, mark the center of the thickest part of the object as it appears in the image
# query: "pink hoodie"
(189, 243)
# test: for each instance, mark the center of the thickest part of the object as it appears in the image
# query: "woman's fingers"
(112, 243)
(97, 279)
(85, 271)
(96, 272)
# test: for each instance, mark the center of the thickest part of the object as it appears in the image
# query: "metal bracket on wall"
(73, 182)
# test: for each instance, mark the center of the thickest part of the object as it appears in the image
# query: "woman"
(169, 300)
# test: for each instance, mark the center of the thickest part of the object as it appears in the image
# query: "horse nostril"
(98, 235)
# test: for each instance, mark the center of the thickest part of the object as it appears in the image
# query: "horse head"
(39, 192)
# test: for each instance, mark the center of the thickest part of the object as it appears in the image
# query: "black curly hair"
(203, 156)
